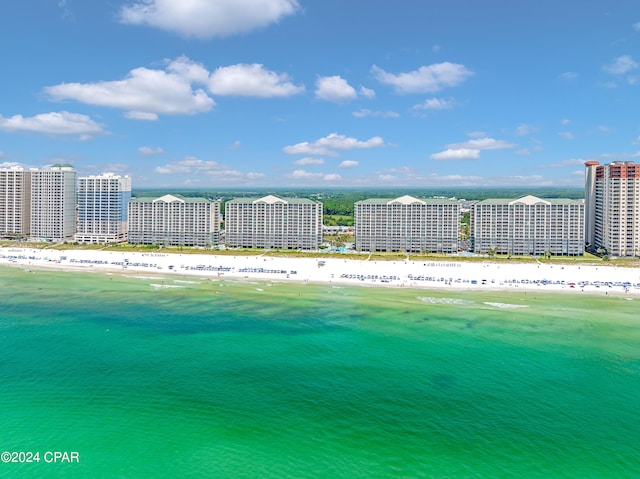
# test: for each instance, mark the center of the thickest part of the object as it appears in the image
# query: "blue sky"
(321, 93)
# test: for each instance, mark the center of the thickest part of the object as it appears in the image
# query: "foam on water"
(452, 301)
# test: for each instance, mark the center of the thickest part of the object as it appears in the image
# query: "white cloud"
(636, 26)
(457, 154)
(195, 166)
(335, 89)
(54, 123)
(426, 79)
(621, 65)
(435, 104)
(329, 144)
(332, 177)
(381, 114)
(149, 151)
(566, 163)
(144, 93)
(10, 164)
(567, 135)
(348, 164)
(367, 92)
(565, 121)
(482, 144)
(309, 161)
(568, 76)
(207, 18)
(251, 80)
(476, 134)
(303, 174)
(525, 130)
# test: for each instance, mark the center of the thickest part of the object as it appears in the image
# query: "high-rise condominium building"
(612, 197)
(173, 220)
(102, 208)
(407, 224)
(15, 201)
(528, 225)
(53, 203)
(272, 222)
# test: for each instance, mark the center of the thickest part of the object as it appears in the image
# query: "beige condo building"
(173, 220)
(528, 225)
(15, 202)
(612, 197)
(53, 203)
(273, 222)
(407, 224)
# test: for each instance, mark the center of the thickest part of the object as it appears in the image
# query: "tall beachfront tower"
(612, 198)
(407, 224)
(528, 225)
(15, 201)
(173, 220)
(102, 208)
(53, 203)
(273, 222)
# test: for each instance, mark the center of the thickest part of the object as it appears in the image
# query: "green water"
(149, 377)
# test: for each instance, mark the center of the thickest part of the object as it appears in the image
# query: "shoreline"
(425, 275)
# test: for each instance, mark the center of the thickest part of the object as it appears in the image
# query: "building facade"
(612, 198)
(53, 203)
(528, 225)
(15, 202)
(102, 208)
(273, 222)
(173, 220)
(407, 224)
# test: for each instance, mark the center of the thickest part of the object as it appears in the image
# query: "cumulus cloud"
(145, 93)
(435, 104)
(367, 92)
(54, 123)
(195, 166)
(621, 65)
(454, 154)
(150, 151)
(426, 79)
(335, 89)
(207, 18)
(636, 26)
(251, 80)
(303, 174)
(482, 144)
(329, 145)
(348, 164)
(309, 161)
(376, 114)
(332, 177)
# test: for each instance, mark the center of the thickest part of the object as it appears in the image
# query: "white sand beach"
(489, 275)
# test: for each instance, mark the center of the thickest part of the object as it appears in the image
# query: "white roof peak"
(270, 199)
(529, 200)
(406, 200)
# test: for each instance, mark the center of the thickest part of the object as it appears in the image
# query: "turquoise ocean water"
(158, 377)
